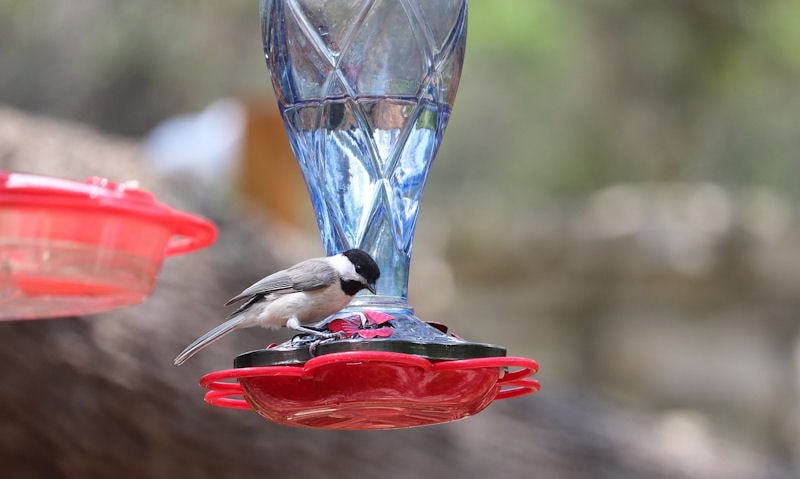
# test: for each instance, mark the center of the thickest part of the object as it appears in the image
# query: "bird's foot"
(295, 325)
(314, 344)
(316, 337)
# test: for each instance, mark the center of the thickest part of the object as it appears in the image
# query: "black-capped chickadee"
(307, 292)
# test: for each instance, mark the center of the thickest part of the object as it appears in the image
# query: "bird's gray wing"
(274, 282)
(312, 274)
(307, 275)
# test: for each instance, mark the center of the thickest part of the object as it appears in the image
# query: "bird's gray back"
(312, 274)
(307, 275)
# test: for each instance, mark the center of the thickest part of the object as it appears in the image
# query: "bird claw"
(315, 336)
(312, 347)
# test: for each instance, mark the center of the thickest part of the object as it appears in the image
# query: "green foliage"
(536, 27)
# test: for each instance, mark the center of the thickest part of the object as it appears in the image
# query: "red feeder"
(71, 248)
(368, 384)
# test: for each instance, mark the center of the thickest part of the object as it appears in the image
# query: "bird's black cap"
(364, 264)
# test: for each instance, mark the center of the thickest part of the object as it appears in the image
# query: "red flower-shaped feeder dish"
(372, 382)
(71, 248)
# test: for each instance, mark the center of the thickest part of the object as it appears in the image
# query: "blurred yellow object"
(269, 176)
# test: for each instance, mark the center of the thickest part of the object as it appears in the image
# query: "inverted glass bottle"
(365, 88)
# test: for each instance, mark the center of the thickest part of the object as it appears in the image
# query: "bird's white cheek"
(343, 266)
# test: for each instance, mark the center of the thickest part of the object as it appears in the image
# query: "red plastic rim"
(96, 194)
(371, 389)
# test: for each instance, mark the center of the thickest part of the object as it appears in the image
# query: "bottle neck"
(387, 304)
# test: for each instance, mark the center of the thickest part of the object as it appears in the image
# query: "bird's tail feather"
(209, 338)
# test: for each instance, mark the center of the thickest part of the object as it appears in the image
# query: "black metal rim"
(302, 352)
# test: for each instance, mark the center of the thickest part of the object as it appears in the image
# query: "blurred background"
(615, 195)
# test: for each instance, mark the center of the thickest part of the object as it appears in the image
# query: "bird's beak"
(371, 288)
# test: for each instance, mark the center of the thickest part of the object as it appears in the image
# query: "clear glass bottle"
(365, 88)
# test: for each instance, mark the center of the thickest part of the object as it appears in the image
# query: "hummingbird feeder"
(70, 248)
(365, 89)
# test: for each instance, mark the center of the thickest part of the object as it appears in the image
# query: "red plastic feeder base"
(69, 248)
(371, 389)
